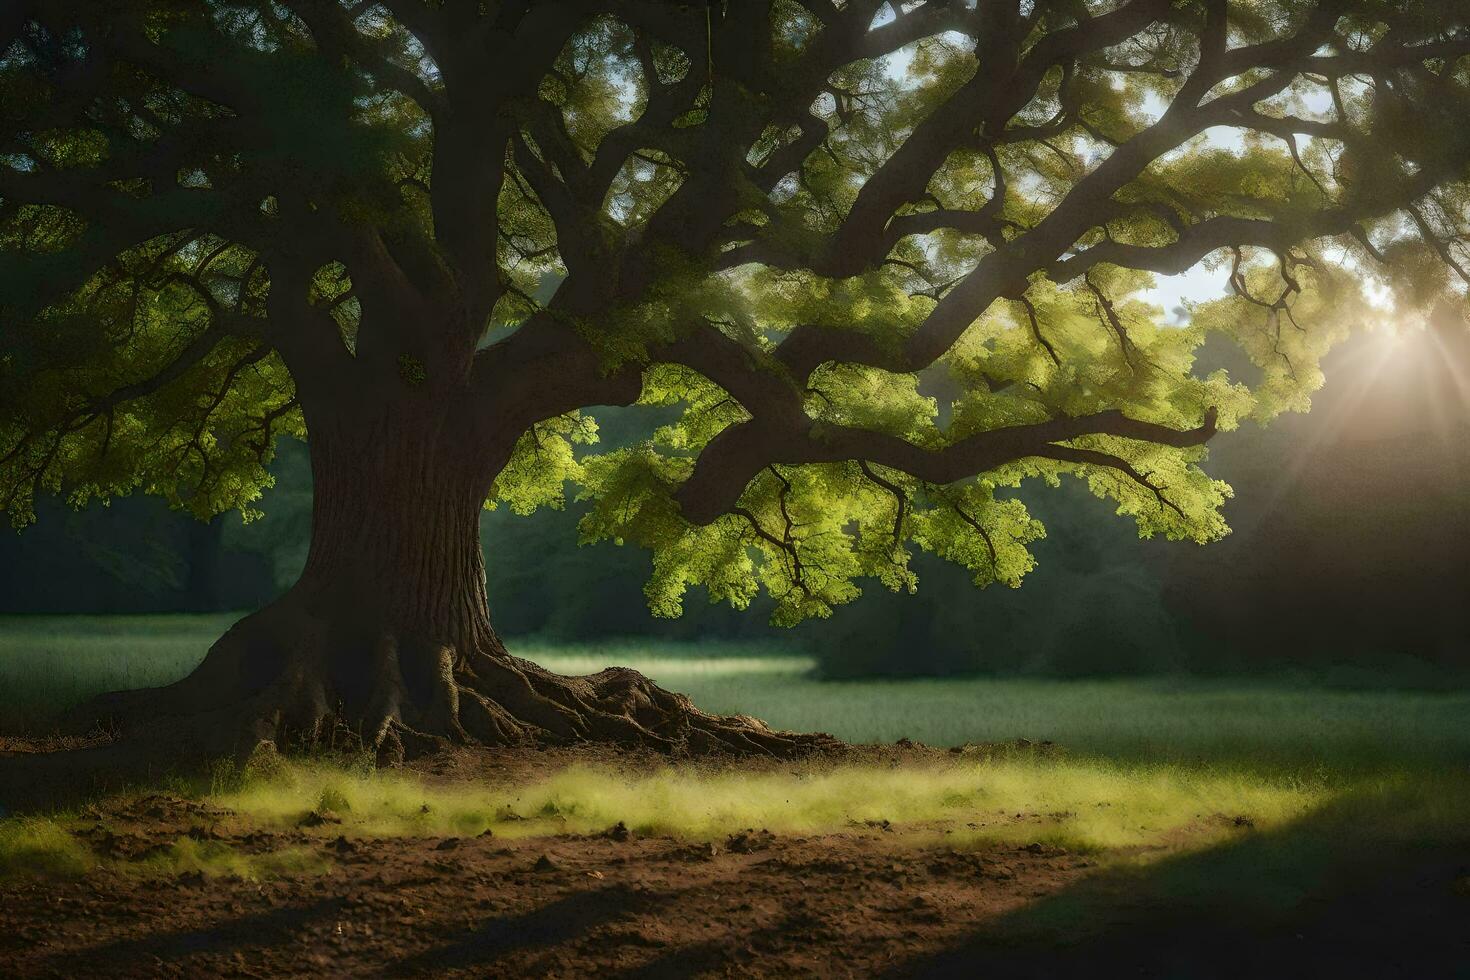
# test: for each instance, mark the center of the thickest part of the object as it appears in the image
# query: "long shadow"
(1371, 886)
(270, 928)
(563, 921)
(546, 926)
(698, 959)
(43, 782)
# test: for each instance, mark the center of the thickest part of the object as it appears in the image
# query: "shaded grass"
(49, 663)
(1267, 725)
(1380, 821)
(1372, 883)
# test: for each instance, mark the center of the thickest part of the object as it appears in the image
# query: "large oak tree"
(887, 260)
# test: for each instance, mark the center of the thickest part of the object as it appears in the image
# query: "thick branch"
(734, 457)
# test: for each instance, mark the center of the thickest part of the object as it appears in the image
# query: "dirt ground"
(869, 901)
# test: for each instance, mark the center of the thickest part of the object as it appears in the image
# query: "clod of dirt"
(618, 832)
(749, 841)
(698, 852)
(447, 844)
(129, 847)
(544, 863)
(317, 818)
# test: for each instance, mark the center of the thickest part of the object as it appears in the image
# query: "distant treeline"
(1351, 550)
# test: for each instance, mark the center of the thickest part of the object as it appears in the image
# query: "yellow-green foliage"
(146, 359)
(542, 463)
(808, 534)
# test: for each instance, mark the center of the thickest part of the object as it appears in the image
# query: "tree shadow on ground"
(39, 782)
(552, 924)
(162, 950)
(1374, 885)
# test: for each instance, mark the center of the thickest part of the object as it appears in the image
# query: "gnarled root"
(287, 678)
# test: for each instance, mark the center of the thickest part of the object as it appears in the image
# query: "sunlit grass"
(1085, 806)
(37, 845)
(1123, 814)
(46, 846)
(218, 859)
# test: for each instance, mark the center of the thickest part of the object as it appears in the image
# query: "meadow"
(1276, 805)
(1129, 761)
(1283, 726)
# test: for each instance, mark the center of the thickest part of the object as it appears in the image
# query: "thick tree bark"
(395, 543)
(386, 638)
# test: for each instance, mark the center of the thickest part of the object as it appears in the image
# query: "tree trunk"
(395, 547)
(386, 638)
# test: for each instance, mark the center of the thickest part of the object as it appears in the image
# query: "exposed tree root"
(290, 679)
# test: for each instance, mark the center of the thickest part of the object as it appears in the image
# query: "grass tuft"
(215, 859)
(32, 845)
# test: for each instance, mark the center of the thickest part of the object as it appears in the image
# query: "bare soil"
(616, 904)
(872, 900)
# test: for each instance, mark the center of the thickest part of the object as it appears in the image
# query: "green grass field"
(49, 663)
(1152, 774)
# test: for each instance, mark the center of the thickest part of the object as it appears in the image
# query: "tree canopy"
(879, 262)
